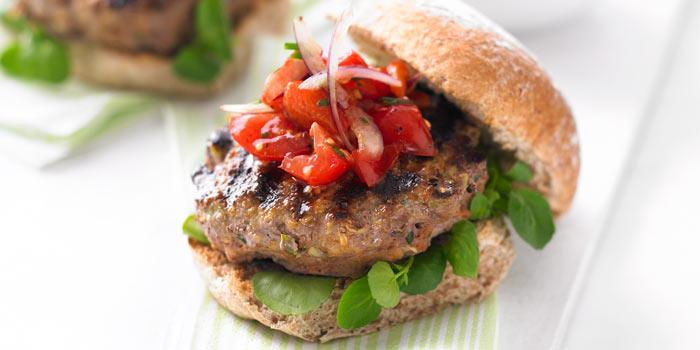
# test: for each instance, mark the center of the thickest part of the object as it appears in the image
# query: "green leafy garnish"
(265, 134)
(196, 64)
(291, 46)
(480, 207)
(394, 100)
(383, 285)
(34, 55)
(520, 172)
(357, 307)
(528, 210)
(337, 150)
(201, 60)
(462, 249)
(409, 237)
(193, 229)
(531, 217)
(364, 120)
(426, 271)
(296, 54)
(323, 103)
(291, 294)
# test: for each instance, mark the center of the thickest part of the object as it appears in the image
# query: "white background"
(92, 255)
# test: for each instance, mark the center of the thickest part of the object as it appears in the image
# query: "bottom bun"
(152, 72)
(231, 285)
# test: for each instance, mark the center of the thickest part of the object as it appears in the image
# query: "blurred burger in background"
(185, 47)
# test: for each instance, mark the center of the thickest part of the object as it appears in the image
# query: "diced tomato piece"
(373, 171)
(269, 136)
(276, 104)
(404, 124)
(352, 58)
(327, 163)
(370, 89)
(292, 69)
(398, 70)
(302, 107)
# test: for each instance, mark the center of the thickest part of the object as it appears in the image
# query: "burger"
(356, 196)
(188, 47)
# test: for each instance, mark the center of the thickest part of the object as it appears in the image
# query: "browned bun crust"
(153, 72)
(231, 286)
(487, 74)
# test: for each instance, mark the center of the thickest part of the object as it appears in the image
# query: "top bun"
(488, 74)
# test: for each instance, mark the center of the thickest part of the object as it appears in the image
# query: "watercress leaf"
(531, 217)
(51, 62)
(357, 308)
(492, 195)
(213, 28)
(520, 172)
(194, 63)
(480, 207)
(462, 250)
(426, 271)
(291, 294)
(13, 21)
(36, 56)
(383, 285)
(193, 229)
(503, 186)
(500, 206)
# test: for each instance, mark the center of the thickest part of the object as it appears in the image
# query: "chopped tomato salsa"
(300, 129)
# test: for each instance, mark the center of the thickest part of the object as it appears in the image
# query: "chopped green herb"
(291, 46)
(355, 79)
(265, 134)
(291, 294)
(323, 103)
(337, 150)
(364, 120)
(409, 238)
(296, 54)
(193, 229)
(393, 100)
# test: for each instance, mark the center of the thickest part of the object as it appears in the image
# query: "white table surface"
(92, 256)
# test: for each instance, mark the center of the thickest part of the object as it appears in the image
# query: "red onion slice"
(341, 27)
(369, 138)
(309, 49)
(344, 74)
(247, 108)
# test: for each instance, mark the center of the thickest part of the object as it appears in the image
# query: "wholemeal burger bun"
(488, 75)
(231, 285)
(154, 72)
(501, 88)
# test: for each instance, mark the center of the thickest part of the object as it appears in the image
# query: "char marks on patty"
(254, 210)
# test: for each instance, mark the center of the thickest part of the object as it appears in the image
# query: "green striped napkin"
(456, 327)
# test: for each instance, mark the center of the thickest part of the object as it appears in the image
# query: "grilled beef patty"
(158, 26)
(252, 209)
